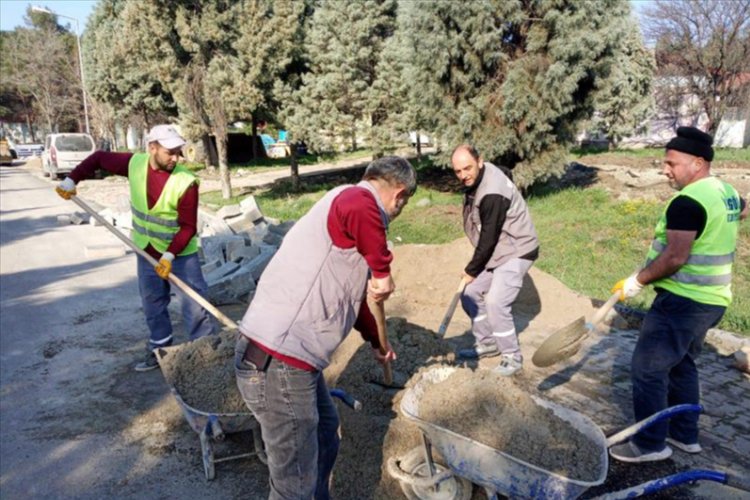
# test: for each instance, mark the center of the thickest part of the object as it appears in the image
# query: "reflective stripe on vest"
(157, 225)
(707, 275)
(155, 220)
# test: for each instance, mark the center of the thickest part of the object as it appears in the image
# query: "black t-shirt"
(686, 214)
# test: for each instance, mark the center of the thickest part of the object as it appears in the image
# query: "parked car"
(62, 152)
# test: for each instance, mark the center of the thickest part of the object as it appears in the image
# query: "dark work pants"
(663, 367)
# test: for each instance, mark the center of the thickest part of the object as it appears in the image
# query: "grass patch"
(589, 241)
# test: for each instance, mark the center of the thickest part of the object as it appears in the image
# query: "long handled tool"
(565, 342)
(378, 311)
(451, 309)
(172, 278)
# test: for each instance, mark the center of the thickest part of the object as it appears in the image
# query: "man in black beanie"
(690, 265)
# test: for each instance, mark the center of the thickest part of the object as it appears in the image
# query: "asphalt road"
(75, 420)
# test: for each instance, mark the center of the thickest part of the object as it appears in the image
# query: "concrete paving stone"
(231, 289)
(104, 251)
(78, 219)
(228, 211)
(211, 266)
(273, 239)
(240, 224)
(245, 253)
(124, 220)
(217, 274)
(232, 245)
(248, 204)
(281, 229)
(258, 264)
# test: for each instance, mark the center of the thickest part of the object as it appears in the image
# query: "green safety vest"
(707, 275)
(157, 225)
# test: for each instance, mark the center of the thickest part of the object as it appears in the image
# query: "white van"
(63, 152)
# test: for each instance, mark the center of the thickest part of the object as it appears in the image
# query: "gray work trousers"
(488, 300)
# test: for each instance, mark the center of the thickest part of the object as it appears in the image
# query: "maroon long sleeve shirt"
(187, 208)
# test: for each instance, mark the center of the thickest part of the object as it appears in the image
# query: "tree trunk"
(221, 149)
(419, 145)
(295, 167)
(255, 144)
(354, 138)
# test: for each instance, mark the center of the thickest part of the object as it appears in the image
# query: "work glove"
(164, 267)
(628, 287)
(66, 189)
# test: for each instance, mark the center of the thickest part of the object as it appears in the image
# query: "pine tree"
(343, 44)
(516, 79)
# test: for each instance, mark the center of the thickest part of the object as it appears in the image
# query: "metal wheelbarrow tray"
(499, 472)
(214, 426)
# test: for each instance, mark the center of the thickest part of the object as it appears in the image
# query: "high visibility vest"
(157, 225)
(707, 275)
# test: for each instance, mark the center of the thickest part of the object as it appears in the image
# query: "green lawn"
(588, 240)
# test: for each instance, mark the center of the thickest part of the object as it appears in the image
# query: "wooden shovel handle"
(378, 311)
(602, 311)
(172, 278)
(451, 308)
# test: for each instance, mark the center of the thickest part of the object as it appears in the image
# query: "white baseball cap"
(167, 136)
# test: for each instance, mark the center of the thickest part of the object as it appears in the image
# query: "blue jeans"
(155, 299)
(663, 368)
(298, 422)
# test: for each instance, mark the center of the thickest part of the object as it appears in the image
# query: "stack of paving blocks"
(236, 245)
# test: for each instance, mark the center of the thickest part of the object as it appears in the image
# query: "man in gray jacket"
(310, 296)
(498, 225)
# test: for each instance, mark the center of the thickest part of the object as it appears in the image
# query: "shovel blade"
(562, 344)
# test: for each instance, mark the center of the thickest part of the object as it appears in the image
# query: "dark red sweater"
(354, 221)
(187, 208)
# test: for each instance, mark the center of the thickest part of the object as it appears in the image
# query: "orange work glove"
(66, 189)
(164, 267)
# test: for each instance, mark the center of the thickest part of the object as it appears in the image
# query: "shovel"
(172, 278)
(565, 342)
(378, 311)
(451, 309)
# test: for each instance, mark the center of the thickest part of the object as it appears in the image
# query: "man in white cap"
(164, 205)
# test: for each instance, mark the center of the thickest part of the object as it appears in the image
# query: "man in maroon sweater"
(310, 296)
(164, 204)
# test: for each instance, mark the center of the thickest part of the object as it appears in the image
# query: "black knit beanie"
(694, 142)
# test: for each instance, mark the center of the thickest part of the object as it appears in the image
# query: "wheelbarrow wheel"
(207, 452)
(453, 488)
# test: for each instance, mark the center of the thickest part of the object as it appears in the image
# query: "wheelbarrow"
(213, 426)
(468, 461)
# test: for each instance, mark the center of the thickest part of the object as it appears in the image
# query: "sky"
(12, 12)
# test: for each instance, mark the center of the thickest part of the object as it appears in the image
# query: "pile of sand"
(493, 410)
(202, 373)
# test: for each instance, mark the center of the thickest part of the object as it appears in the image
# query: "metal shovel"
(565, 342)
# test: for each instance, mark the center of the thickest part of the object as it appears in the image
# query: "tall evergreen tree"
(517, 79)
(343, 46)
(624, 99)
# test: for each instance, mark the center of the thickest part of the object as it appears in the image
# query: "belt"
(257, 356)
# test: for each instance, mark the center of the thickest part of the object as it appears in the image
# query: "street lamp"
(80, 59)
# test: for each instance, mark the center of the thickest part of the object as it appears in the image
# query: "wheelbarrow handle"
(626, 433)
(347, 398)
(689, 476)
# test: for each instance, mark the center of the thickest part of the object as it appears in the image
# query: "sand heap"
(494, 410)
(202, 372)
